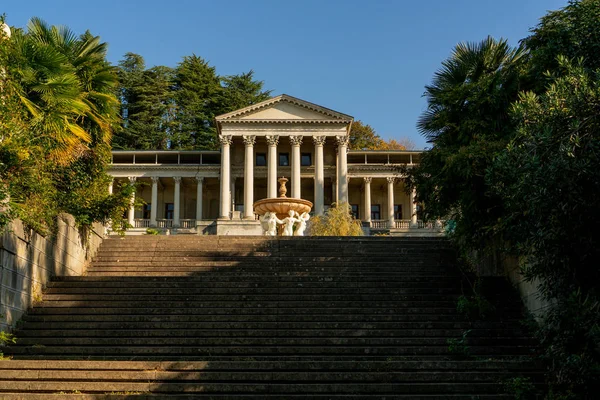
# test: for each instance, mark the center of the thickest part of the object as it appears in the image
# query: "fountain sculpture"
(282, 214)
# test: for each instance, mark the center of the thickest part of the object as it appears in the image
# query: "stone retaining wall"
(28, 261)
(500, 264)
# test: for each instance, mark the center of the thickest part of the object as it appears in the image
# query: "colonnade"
(154, 199)
(272, 160)
(390, 201)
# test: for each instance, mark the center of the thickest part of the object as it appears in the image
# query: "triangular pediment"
(284, 108)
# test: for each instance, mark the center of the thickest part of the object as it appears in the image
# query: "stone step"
(424, 335)
(249, 296)
(228, 350)
(281, 304)
(316, 396)
(250, 339)
(202, 274)
(45, 317)
(236, 291)
(268, 364)
(235, 311)
(381, 388)
(246, 279)
(264, 376)
(161, 328)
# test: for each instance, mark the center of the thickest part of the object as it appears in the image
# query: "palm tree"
(67, 87)
(471, 93)
(468, 121)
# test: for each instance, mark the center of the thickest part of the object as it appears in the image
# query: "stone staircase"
(250, 317)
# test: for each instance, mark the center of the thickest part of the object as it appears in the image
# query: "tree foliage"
(549, 179)
(467, 120)
(364, 137)
(175, 108)
(515, 162)
(57, 115)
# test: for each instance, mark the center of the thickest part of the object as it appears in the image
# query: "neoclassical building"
(213, 191)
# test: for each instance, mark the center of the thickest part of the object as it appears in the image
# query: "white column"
(232, 195)
(131, 213)
(110, 186)
(334, 191)
(225, 177)
(199, 193)
(154, 200)
(176, 201)
(273, 141)
(390, 181)
(319, 175)
(367, 199)
(249, 141)
(343, 168)
(296, 141)
(413, 208)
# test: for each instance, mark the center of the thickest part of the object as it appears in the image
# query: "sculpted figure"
(288, 229)
(269, 223)
(264, 222)
(272, 224)
(302, 219)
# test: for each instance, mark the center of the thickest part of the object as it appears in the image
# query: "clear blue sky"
(367, 58)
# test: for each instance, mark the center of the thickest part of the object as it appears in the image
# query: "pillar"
(413, 208)
(319, 175)
(199, 193)
(154, 200)
(273, 141)
(390, 181)
(343, 168)
(176, 201)
(249, 141)
(368, 198)
(296, 141)
(225, 177)
(232, 195)
(110, 186)
(131, 213)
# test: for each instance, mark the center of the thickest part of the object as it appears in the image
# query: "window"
(146, 211)
(306, 160)
(261, 159)
(355, 211)
(397, 211)
(375, 211)
(284, 159)
(169, 209)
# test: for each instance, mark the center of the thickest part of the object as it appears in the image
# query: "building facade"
(214, 191)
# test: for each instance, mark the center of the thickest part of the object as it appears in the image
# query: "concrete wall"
(28, 261)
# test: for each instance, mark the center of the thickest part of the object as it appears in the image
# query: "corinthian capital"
(272, 140)
(368, 179)
(295, 140)
(225, 140)
(342, 140)
(319, 140)
(391, 179)
(249, 140)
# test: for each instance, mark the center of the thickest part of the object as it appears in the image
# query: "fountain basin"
(281, 206)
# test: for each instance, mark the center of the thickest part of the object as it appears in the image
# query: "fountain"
(283, 211)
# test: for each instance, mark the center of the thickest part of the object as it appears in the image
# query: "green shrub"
(459, 347)
(520, 388)
(337, 221)
(152, 231)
